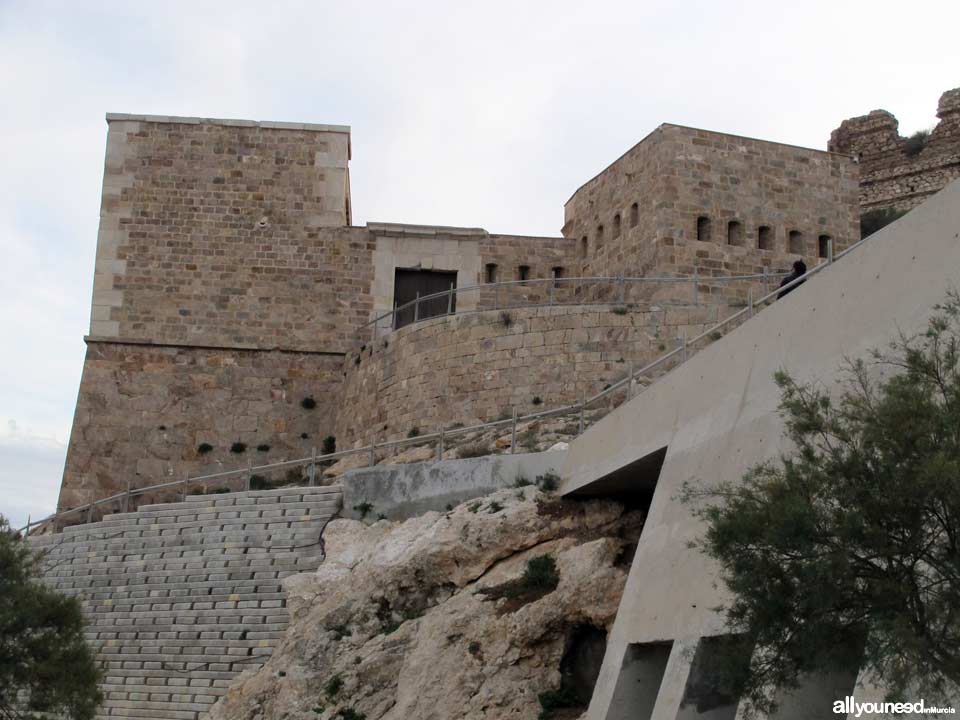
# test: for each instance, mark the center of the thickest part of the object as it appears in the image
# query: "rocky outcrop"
(439, 617)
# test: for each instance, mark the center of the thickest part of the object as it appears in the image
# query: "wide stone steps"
(180, 598)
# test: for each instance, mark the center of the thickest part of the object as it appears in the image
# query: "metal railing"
(615, 394)
(535, 292)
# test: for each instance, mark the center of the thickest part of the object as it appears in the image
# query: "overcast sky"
(480, 114)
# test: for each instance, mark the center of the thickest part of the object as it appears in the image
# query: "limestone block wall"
(481, 366)
(891, 177)
(229, 233)
(143, 411)
(182, 598)
(642, 215)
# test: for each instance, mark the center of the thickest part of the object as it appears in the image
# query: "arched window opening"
(796, 244)
(703, 229)
(765, 237)
(634, 215)
(599, 235)
(491, 272)
(616, 225)
(583, 246)
(823, 246)
(734, 233)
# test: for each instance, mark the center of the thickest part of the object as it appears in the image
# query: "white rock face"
(395, 624)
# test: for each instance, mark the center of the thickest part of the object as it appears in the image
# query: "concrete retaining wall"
(181, 598)
(403, 491)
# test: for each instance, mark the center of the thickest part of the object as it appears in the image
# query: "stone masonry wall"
(890, 177)
(678, 174)
(143, 411)
(480, 366)
(229, 233)
(182, 598)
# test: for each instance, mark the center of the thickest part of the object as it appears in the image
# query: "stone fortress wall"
(479, 367)
(892, 176)
(182, 598)
(230, 287)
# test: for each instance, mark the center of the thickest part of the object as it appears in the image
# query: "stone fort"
(231, 290)
(234, 304)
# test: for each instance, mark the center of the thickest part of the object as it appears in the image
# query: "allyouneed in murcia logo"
(848, 706)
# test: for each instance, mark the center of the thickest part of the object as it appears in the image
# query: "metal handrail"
(444, 433)
(619, 282)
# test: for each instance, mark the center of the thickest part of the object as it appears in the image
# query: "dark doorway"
(409, 284)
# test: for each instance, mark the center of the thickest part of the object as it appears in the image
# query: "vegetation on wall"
(873, 220)
(46, 666)
(844, 552)
(916, 143)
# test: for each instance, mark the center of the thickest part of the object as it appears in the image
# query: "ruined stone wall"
(228, 233)
(143, 412)
(677, 175)
(891, 175)
(482, 366)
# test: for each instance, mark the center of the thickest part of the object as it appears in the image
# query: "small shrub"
(363, 508)
(474, 648)
(220, 490)
(204, 448)
(333, 686)
(548, 482)
(381, 516)
(308, 403)
(521, 481)
(329, 445)
(318, 709)
(661, 347)
(541, 573)
(341, 631)
(449, 507)
(357, 660)
(537, 400)
(263, 447)
(350, 714)
(414, 432)
(494, 507)
(474, 506)
(506, 319)
(916, 143)
(259, 482)
(873, 220)
(716, 335)
(456, 426)
(472, 450)
(238, 448)
(620, 310)
(552, 700)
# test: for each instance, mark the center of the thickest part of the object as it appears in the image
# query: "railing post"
(450, 300)
(496, 296)
(89, 513)
(513, 433)
(393, 315)
(440, 444)
(630, 381)
(373, 453)
(313, 466)
(766, 280)
(553, 283)
(183, 490)
(750, 302)
(623, 289)
(249, 473)
(696, 287)
(829, 250)
(416, 308)
(683, 344)
(581, 412)
(26, 533)
(126, 499)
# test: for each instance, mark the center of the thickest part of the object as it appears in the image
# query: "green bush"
(333, 686)
(916, 143)
(363, 508)
(874, 220)
(557, 700)
(238, 448)
(541, 573)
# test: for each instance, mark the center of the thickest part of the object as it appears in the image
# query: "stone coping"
(117, 340)
(384, 228)
(269, 124)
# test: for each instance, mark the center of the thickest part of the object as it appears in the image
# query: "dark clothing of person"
(799, 269)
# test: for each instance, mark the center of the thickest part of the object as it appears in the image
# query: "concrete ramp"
(716, 415)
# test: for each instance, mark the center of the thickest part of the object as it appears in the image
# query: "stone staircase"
(180, 598)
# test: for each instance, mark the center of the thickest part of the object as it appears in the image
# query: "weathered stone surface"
(397, 613)
(890, 176)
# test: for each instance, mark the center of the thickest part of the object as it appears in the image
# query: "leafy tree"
(845, 551)
(45, 663)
